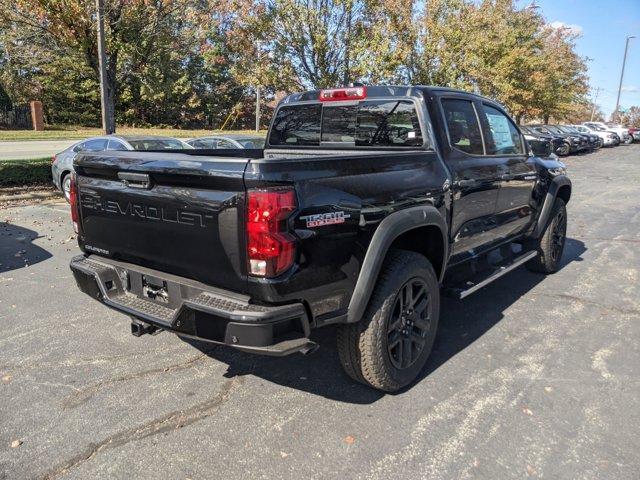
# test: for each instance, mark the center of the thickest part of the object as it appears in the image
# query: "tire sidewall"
(66, 179)
(404, 377)
(552, 264)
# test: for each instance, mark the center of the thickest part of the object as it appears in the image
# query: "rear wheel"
(551, 245)
(389, 347)
(66, 186)
(564, 149)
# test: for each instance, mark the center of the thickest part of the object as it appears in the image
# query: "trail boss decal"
(322, 219)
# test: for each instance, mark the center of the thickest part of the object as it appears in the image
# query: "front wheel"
(628, 141)
(551, 245)
(389, 347)
(564, 149)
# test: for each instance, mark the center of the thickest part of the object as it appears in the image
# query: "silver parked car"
(62, 164)
(228, 141)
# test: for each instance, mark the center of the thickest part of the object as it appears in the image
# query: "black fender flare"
(549, 199)
(389, 229)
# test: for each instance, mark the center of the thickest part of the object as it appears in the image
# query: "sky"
(603, 26)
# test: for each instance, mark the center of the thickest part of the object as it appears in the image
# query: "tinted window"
(116, 145)
(95, 145)
(202, 143)
(156, 144)
(462, 124)
(387, 123)
(224, 144)
(252, 142)
(503, 136)
(296, 125)
(339, 123)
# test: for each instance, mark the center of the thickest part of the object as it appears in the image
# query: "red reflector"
(73, 201)
(338, 94)
(270, 248)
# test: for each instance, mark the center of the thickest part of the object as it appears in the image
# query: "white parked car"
(619, 130)
(608, 138)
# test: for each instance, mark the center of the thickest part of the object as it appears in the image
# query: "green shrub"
(25, 172)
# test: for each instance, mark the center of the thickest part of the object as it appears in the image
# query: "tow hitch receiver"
(155, 288)
(139, 328)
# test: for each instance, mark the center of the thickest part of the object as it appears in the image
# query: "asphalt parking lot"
(531, 377)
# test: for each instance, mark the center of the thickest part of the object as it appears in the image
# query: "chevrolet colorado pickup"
(364, 205)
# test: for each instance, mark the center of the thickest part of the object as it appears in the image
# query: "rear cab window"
(386, 123)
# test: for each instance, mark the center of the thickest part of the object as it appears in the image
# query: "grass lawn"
(17, 173)
(72, 133)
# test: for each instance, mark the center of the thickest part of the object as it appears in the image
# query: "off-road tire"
(363, 346)
(549, 252)
(564, 150)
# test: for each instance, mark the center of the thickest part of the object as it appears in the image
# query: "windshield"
(567, 129)
(371, 123)
(157, 144)
(251, 142)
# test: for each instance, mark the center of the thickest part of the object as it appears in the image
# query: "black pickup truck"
(365, 204)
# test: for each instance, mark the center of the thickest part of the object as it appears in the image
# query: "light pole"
(108, 124)
(257, 108)
(624, 61)
(595, 99)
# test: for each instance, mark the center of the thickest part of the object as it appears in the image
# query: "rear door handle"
(507, 177)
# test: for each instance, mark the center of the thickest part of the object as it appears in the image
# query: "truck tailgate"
(169, 211)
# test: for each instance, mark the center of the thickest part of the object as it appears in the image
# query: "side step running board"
(470, 287)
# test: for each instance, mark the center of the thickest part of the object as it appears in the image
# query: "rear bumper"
(193, 309)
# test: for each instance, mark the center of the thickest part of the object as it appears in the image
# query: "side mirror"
(540, 148)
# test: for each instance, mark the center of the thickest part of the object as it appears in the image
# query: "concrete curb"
(29, 196)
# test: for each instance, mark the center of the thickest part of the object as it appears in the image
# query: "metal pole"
(108, 124)
(595, 99)
(257, 109)
(624, 61)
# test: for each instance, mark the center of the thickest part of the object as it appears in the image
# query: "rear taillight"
(270, 247)
(75, 205)
(53, 159)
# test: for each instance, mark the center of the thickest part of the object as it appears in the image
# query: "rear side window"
(96, 145)
(503, 136)
(387, 123)
(462, 124)
(116, 145)
(156, 144)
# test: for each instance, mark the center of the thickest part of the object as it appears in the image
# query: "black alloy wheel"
(409, 324)
(558, 235)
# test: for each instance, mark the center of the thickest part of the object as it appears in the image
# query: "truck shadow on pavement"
(17, 249)
(462, 322)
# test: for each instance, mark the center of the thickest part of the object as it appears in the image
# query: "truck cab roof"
(377, 91)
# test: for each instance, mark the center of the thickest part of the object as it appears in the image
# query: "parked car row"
(563, 140)
(62, 163)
